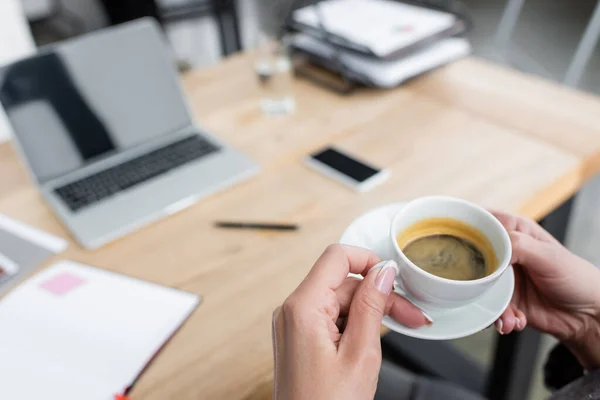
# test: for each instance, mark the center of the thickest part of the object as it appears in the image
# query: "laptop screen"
(93, 96)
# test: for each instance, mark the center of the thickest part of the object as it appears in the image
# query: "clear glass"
(273, 68)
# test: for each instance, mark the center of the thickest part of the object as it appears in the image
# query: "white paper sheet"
(383, 26)
(388, 74)
(74, 332)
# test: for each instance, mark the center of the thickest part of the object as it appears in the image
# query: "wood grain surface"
(461, 131)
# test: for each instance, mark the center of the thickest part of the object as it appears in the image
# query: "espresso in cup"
(448, 248)
(436, 217)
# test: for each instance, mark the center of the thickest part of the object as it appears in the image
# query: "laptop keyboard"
(90, 190)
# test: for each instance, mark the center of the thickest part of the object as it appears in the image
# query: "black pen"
(257, 225)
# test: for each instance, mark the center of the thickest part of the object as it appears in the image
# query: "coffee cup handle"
(400, 290)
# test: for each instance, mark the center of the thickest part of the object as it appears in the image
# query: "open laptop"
(105, 131)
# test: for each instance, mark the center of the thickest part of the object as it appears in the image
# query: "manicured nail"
(499, 324)
(384, 281)
(428, 318)
(518, 323)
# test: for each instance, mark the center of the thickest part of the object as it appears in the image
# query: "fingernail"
(499, 324)
(428, 318)
(384, 281)
(518, 323)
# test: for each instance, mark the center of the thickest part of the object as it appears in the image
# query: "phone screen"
(348, 166)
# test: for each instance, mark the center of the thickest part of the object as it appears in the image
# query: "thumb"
(368, 306)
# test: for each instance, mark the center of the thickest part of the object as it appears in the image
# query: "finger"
(277, 339)
(518, 223)
(521, 320)
(506, 323)
(406, 313)
(345, 293)
(367, 308)
(499, 325)
(334, 265)
(277, 327)
(397, 307)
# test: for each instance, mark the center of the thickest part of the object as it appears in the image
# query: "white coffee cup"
(431, 292)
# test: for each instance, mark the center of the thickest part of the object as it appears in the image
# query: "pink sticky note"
(62, 284)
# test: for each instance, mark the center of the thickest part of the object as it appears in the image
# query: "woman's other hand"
(556, 291)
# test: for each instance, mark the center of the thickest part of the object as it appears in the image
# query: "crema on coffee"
(448, 248)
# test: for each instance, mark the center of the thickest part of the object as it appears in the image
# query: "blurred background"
(543, 42)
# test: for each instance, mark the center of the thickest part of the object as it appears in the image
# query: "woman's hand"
(556, 292)
(326, 334)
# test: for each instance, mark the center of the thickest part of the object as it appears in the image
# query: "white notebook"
(76, 332)
(382, 26)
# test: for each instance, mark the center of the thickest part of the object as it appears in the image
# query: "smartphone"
(346, 169)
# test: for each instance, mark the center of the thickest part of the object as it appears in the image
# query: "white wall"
(15, 42)
(198, 42)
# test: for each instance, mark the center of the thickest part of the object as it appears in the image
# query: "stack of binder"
(380, 43)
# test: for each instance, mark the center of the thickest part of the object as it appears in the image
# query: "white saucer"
(371, 230)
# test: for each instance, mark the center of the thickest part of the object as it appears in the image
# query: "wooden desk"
(555, 114)
(435, 138)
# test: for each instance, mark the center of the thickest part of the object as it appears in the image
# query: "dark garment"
(396, 383)
(45, 77)
(586, 388)
(127, 10)
(562, 371)
(561, 368)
